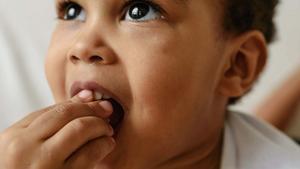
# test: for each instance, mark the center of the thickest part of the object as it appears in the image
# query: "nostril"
(74, 58)
(90, 59)
(96, 58)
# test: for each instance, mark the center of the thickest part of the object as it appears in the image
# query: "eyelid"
(61, 4)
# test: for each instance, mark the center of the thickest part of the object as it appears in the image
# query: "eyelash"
(63, 4)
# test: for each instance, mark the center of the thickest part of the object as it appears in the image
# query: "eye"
(72, 11)
(142, 12)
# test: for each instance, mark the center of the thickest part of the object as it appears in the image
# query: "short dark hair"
(243, 15)
(240, 16)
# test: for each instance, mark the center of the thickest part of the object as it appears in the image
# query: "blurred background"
(25, 30)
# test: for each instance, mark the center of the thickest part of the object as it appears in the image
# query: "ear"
(245, 59)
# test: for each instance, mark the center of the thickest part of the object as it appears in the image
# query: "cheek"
(55, 65)
(169, 78)
(172, 85)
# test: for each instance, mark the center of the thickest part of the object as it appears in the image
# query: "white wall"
(27, 26)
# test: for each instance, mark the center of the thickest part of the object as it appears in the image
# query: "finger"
(49, 123)
(76, 134)
(23, 123)
(83, 96)
(91, 153)
(105, 105)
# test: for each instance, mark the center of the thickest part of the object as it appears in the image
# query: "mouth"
(117, 116)
(115, 120)
(100, 93)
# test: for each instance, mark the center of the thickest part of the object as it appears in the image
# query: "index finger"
(82, 97)
(25, 121)
(52, 121)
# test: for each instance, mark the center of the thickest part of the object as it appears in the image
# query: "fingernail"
(106, 105)
(85, 94)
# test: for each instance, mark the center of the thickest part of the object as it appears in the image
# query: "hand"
(69, 135)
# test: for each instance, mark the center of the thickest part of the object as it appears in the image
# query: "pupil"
(72, 11)
(138, 10)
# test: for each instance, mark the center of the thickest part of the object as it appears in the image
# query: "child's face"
(164, 69)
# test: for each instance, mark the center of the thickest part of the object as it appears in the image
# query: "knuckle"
(94, 106)
(6, 138)
(8, 132)
(64, 110)
(80, 125)
(102, 125)
(104, 146)
(14, 149)
(47, 155)
(105, 126)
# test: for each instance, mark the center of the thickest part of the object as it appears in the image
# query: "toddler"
(145, 84)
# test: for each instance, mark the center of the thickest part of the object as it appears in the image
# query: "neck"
(198, 158)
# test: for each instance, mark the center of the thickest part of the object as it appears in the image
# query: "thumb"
(83, 96)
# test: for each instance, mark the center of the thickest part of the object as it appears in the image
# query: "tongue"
(117, 115)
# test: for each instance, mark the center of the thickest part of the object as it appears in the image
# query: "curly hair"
(241, 16)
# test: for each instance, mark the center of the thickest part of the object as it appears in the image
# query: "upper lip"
(93, 86)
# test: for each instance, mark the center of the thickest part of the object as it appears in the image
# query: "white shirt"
(252, 144)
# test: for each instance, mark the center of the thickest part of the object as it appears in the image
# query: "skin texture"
(173, 74)
(53, 137)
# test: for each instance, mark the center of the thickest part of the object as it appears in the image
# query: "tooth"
(98, 96)
(106, 97)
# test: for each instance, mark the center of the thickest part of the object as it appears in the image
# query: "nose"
(89, 47)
